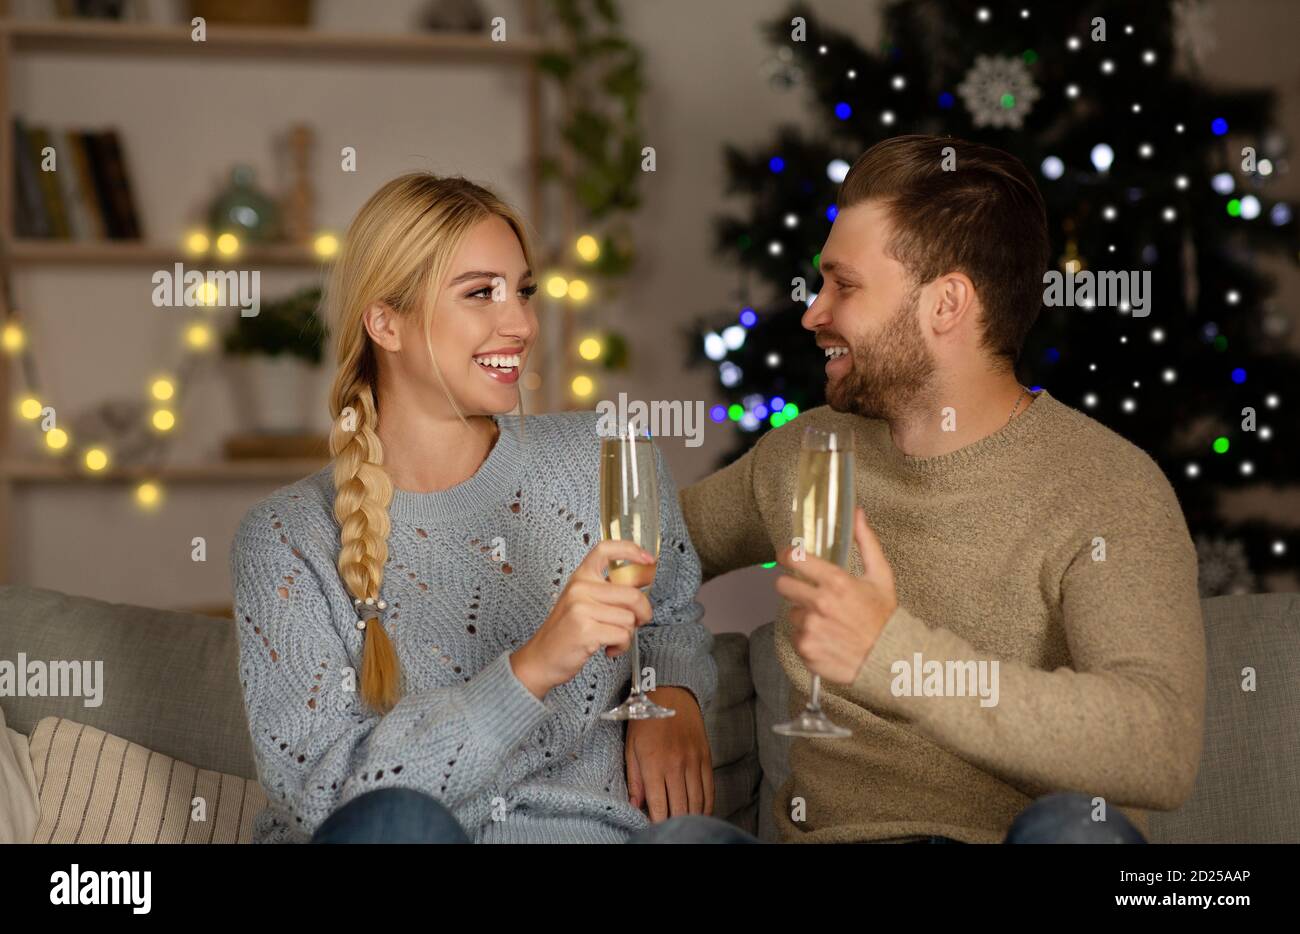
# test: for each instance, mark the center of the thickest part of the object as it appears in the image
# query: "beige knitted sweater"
(1052, 546)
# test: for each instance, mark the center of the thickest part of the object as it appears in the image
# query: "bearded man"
(994, 527)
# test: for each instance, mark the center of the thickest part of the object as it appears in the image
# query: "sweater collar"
(1018, 432)
(489, 484)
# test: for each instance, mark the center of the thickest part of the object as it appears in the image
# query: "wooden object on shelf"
(283, 447)
(298, 210)
(254, 12)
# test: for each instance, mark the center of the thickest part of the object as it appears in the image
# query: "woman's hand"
(590, 613)
(669, 766)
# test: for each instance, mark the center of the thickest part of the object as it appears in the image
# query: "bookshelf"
(224, 42)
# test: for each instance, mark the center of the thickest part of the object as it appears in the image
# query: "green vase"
(243, 210)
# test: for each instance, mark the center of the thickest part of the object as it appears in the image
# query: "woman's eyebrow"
(485, 274)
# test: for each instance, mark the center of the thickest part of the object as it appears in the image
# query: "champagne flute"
(629, 509)
(823, 524)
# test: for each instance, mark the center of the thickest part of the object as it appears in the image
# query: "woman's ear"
(383, 325)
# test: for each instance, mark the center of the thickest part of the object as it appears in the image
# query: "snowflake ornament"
(998, 91)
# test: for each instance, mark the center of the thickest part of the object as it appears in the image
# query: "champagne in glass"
(629, 509)
(823, 525)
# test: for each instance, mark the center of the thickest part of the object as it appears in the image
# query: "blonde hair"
(397, 251)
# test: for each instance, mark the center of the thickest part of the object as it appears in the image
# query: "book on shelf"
(82, 193)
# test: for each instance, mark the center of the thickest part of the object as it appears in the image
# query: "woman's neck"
(425, 453)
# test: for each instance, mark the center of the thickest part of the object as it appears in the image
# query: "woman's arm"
(316, 743)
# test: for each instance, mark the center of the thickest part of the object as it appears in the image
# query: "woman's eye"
(529, 291)
(485, 292)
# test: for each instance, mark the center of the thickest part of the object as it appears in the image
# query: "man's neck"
(959, 412)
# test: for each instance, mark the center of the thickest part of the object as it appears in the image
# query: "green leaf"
(556, 65)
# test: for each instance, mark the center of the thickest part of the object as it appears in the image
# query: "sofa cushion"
(1248, 787)
(165, 673)
(772, 703)
(730, 727)
(98, 788)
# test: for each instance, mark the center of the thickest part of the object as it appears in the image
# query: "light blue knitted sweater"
(472, 572)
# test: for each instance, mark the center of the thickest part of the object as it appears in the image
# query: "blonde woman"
(427, 637)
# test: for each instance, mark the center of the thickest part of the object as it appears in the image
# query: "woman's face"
(484, 325)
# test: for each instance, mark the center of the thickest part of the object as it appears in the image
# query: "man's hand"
(838, 617)
(669, 766)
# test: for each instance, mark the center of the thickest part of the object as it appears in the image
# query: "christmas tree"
(1142, 167)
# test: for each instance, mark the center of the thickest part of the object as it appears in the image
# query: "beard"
(891, 370)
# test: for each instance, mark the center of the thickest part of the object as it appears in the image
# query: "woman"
(420, 622)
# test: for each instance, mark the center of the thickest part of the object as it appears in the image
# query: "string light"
(227, 244)
(13, 339)
(588, 248)
(326, 245)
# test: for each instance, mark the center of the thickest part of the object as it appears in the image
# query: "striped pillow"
(98, 788)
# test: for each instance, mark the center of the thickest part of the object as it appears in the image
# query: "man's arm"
(1126, 721)
(722, 515)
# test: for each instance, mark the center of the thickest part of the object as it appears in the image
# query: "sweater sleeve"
(723, 516)
(1125, 721)
(675, 643)
(316, 744)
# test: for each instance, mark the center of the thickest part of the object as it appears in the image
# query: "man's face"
(868, 309)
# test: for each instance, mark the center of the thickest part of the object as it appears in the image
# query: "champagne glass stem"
(814, 702)
(636, 665)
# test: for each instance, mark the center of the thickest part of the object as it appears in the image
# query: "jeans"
(404, 815)
(1064, 817)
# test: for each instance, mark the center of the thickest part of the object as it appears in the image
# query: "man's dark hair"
(983, 217)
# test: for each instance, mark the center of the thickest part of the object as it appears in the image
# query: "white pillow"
(19, 810)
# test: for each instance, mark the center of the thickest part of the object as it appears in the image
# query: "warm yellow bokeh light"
(557, 286)
(164, 420)
(56, 439)
(96, 459)
(582, 386)
(30, 408)
(13, 339)
(162, 389)
(228, 244)
(578, 290)
(197, 242)
(198, 336)
(590, 349)
(208, 293)
(148, 494)
(588, 248)
(326, 245)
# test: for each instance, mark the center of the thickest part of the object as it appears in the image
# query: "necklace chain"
(1019, 399)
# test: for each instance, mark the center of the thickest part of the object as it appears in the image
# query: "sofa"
(174, 704)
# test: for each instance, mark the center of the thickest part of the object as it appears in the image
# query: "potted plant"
(275, 359)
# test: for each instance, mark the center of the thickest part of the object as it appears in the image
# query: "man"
(998, 531)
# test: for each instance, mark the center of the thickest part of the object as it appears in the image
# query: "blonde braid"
(364, 491)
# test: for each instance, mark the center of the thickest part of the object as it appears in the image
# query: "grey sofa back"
(173, 687)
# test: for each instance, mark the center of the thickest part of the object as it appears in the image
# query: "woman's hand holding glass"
(591, 612)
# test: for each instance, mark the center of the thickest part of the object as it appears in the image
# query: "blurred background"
(678, 161)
